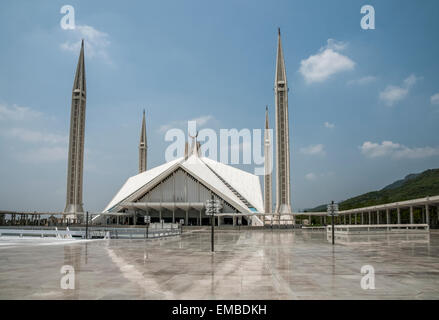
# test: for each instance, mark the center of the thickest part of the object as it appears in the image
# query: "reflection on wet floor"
(281, 264)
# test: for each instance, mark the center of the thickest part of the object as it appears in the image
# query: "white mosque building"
(179, 189)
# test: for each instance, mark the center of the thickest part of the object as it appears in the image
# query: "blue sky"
(364, 106)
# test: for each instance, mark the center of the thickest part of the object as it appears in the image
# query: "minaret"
(142, 146)
(76, 140)
(283, 203)
(268, 198)
(196, 146)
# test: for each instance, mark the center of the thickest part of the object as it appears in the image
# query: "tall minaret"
(268, 198)
(76, 140)
(142, 146)
(283, 203)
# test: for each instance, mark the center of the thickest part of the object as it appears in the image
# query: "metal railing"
(93, 232)
(42, 233)
(313, 228)
(129, 233)
(378, 228)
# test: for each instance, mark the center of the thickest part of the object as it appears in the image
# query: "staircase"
(238, 195)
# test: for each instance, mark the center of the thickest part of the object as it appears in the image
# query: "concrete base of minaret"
(284, 209)
(279, 219)
(74, 208)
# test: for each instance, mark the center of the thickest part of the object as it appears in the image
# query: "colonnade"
(392, 215)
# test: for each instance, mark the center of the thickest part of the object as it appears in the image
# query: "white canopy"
(240, 188)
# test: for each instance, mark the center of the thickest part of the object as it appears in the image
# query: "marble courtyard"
(250, 264)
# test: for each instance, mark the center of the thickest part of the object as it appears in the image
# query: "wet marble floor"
(246, 265)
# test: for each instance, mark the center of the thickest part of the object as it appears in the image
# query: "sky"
(363, 104)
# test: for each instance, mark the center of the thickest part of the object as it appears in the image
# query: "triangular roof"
(247, 184)
(206, 171)
(195, 166)
(136, 182)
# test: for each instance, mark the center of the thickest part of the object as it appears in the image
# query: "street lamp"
(332, 211)
(181, 225)
(147, 220)
(213, 207)
(86, 225)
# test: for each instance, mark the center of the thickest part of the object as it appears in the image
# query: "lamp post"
(181, 225)
(332, 211)
(212, 207)
(86, 225)
(332, 229)
(212, 236)
(147, 220)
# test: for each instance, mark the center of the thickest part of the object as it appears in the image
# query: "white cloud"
(410, 80)
(314, 176)
(17, 113)
(311, 176)
(47, 147)
(393, 94)
(328, 174)
(329, 125)
(396, 150)
(33, 136)
(165, 127)
(201, 121)
(435, 99)
(313, 150)
(327, 62)
(362, 81)
(96, 42)
(335, 45)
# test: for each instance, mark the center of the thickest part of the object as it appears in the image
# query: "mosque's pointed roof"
(136, 182)
(240, 188)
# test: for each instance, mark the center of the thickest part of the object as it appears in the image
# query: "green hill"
(411, 187)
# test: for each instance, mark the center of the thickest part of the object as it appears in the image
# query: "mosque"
(177, 190)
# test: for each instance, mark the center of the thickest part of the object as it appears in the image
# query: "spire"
(280, 63)
(76, 139)
(196, 146)
(283, 201)
(266, 118)
(143, 146)
(79, 83)
(186, 150)
(143, 131)
(268, 198)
